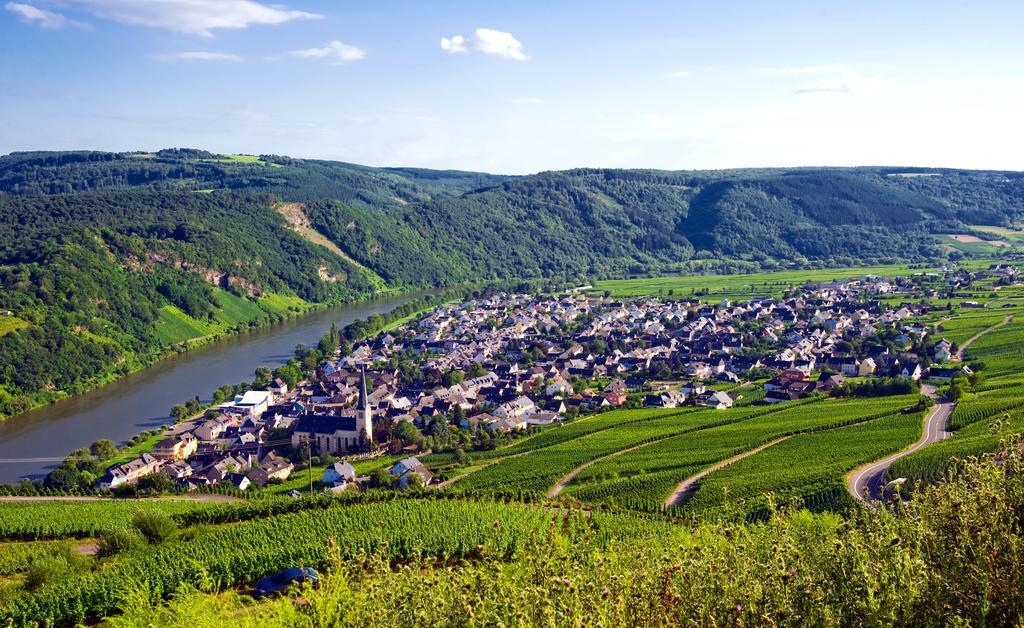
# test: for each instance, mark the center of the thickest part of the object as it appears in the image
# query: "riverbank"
(135, 363)
(34, 442)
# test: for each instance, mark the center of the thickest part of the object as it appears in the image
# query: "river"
(33, 443)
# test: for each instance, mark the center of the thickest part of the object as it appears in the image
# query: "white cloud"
(835, 78)
(492, 42)
(199, 55)
(338, 52)
(197, 17)
(454, 45)
(41, 17)
(487, 41)
(678, 74)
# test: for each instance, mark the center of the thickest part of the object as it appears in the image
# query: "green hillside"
(139, 252)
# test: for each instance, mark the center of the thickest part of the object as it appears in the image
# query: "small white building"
(254, 402)
(717, 400)
(339, 473)
(403, 469)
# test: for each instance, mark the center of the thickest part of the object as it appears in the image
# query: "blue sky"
(525, 86)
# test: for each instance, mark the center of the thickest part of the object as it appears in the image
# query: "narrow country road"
(869, 480)
(970, 341)
(689, 484)
(567, 479)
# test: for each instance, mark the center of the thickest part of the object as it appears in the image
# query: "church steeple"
(363, 406)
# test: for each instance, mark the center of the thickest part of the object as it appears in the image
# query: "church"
(350, 431)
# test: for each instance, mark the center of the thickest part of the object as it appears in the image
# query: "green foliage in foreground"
(246, 551)
(16, 557)
(950, 557)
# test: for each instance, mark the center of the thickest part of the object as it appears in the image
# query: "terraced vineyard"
(807, 468)
(582, 427)
(538, 469)
(973, 423)
(56, 519)
(929, 464)
(1001, 350)
(984, 405)
(643, 478)
(636, 459)
(15, 557)
(968, 323)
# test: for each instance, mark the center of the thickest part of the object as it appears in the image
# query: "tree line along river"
(33, 443)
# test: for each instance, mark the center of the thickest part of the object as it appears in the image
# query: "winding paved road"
(867, 482)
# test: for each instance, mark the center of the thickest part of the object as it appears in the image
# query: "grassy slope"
(743, 286)
(10, 323)
(175, 326)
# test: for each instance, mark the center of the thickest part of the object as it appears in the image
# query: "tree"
(413, 481)
(63, 478)
(956, 388)
(155, 483)
(408, 434)
(117, 540)
(179, 412)
(263, 377)
(290, 373)
(156, 527)
(103, 449)
(453, 377)
(380, 478)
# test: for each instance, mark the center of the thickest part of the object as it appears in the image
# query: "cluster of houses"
(232, 446)
(531, 360)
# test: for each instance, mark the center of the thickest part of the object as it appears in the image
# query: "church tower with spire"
(364, 417)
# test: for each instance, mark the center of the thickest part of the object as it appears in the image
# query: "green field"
(235, 309)
(280, 303)
(174, 326)
(743, 286)
(234, 158)
(1013, 237)
(980, 248)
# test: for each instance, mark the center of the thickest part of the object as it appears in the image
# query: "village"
(474, 374)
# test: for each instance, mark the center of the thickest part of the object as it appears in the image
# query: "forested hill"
(108, 259)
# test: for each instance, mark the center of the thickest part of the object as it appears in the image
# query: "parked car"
(280, 581)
